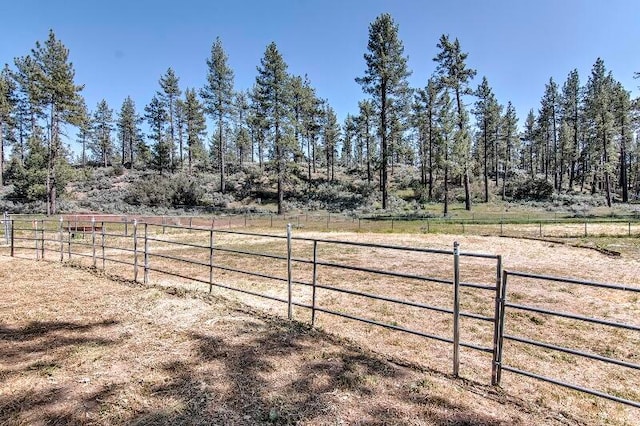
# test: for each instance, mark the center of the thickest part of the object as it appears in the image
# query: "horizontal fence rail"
(292, 270)
(506, 306)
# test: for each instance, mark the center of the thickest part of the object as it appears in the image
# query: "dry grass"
(79, 348)
(533, 256)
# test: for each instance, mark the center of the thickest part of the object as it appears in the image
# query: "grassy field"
(418, 354)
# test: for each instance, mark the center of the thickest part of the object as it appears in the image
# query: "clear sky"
(122, 47)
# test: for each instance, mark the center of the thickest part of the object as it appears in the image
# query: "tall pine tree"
(218, 98)
(385, 79)
(454, 75)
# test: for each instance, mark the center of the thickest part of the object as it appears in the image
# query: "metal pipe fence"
(302, 277)
(507, 306)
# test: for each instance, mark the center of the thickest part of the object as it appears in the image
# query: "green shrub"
(535, 189)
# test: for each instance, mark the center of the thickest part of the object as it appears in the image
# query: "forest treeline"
(580, 138)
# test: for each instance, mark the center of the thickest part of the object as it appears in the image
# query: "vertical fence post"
(456, 309)
(135, 250)
(12, 239)
(540, 233)
(210, 260)
(146, 255)
(358, 224)
(585, 228)
(289, 284)
(313, 283)
(126, 226)
(102, 244)
(35, 238)
(93, 240)
(60, 230)
(496, 323)
(629, 228)
(503, 294)
(271, 217)
(5, 221)
(391, 224)
(42, 240)
(69, 238)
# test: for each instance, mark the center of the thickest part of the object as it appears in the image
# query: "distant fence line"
(135, 242)
(499, 225)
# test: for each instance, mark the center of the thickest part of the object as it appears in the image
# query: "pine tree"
(349, 129)
(195, 127)
(312, 117)
(218, 98)
(274, 100)
(529, 140)
(425, 112)
(548, 119)
(129, 132)
(102, 145)
(366, 109)
(57, 92)
(7, 104)
(511, 142)
(446, 122)
(453, 74)
(571, 101)
(622, 116)
(600, 123)
(486, 120)
(330, 136)
(169, 83)
(242, 137)
(385, 80)
(180, 130)
(84, 132)
(156, 117)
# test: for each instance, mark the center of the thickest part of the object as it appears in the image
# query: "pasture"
(526, 400)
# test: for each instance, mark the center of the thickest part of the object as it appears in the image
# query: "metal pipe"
(211, 260)
(456, 309)
(135, 250)
(289, 284)
(146, 255)
(93, 239)
(61, 239)
(574, 387)
(102, 241)
(497, 337)
(314, 283)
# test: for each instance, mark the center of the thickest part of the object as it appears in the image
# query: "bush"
(529, 189)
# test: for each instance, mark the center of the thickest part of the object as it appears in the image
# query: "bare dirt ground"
(80, 348)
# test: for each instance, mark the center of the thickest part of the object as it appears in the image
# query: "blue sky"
(121, 48)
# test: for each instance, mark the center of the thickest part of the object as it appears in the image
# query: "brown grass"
(533, 256)
(79, 348)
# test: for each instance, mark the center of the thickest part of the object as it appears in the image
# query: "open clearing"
(100, 351)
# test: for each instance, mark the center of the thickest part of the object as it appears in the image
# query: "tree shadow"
(280, 374)
(37, 350)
